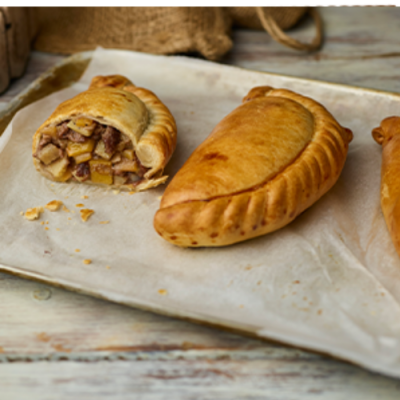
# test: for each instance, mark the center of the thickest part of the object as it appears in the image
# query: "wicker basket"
(17, 28)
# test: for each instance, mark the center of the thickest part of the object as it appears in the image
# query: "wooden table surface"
(56, 344)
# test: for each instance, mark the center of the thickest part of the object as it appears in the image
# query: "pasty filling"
(85, 150)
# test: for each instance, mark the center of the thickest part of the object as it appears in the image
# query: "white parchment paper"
(330, 281)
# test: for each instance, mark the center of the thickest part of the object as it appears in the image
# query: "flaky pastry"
(114, 134)
(388, 135)
(262, 165)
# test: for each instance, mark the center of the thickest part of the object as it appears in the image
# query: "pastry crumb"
(65, 209)
(87, 261)
(69, 218)
(42, 223)
(162, 291)
(116, 191)
(47, 222)
(84, 197)
(108, 267)
(159, 197)
(57, 229)
(77, 250)
(33, 213)
(131, 193)
(104, 222)
(46, 228)
(86, 214)
(21, 213)
(79, 205)
(54, 205)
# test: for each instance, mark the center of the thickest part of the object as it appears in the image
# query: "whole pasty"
(262, 165)
(113, 134)
(388, 135)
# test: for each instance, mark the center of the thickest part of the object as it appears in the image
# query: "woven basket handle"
(277, 33)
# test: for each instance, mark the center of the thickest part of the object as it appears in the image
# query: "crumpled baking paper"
(329, 281)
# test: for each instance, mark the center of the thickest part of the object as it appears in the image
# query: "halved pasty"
(113, 134)
(262, 165)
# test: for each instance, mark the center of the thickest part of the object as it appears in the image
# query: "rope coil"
(270, 25)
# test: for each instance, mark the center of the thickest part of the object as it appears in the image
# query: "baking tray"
(245, 294)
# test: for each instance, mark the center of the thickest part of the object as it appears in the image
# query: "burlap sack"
(157, 30)
(164, 30)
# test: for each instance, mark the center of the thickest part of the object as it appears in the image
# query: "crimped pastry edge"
(271, 205)
(388, 136)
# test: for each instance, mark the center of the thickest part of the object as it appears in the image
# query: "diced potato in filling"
(84, 126)
(50, 130)
(75, 149)
(84, 122)
(101, 171)
(116, 158)
(129, 154)
(126, 165)
(49, 154)
(83, 158)
(101, 166)
(59, 168)
(101, 150)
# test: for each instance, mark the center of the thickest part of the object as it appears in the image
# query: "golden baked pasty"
(113, 134)
(262, 165)
(388, 135)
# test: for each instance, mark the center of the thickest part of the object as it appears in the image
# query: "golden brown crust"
(137, 112)
(388, 135)
(158, 140)
(115, 81)
(262, 165)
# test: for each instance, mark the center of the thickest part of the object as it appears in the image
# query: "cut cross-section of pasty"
(113, 134)
(262, 165)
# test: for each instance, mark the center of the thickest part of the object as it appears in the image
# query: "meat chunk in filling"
(88, 150)
(111, 137)
(81, 172)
